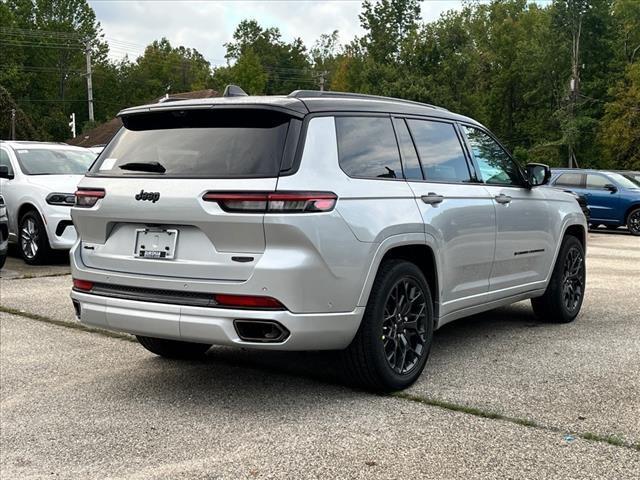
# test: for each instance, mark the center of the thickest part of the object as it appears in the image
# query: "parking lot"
(503, 396)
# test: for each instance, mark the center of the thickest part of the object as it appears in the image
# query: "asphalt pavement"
(503, 396)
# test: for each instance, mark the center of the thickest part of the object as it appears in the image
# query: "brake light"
(277, 202)
(84, 285)
(247, 301)
(87, 197)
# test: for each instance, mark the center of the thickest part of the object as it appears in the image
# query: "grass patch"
(60, 323)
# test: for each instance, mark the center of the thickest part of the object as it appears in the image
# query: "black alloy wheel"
(633, 222)
(404, 328)
(573, 279)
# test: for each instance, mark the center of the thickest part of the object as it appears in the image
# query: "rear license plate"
(158, 244)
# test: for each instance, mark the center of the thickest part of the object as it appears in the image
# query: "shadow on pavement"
(235, 370)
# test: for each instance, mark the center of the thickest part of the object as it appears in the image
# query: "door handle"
(432, 198)
(503, 199)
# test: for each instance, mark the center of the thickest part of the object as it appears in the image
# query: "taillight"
(248, 301)
(87, 197)
(278, 202)
(84, 285)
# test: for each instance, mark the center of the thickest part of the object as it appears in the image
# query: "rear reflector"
(87, 197)
(84, 285)
(279, 202)
(247, 301)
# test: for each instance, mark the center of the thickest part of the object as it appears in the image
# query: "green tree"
(620, 131)
(286, 65)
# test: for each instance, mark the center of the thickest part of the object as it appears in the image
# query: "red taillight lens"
(84, 285)
(248, 301)
(239, 202)
(87, 197)
(280, 202)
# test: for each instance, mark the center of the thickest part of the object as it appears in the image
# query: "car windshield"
(42, 161)
(634, 177)
(622, 180)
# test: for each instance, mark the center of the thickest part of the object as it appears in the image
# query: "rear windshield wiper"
(143, 167)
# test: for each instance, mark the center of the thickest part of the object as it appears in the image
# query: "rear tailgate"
(163, 211)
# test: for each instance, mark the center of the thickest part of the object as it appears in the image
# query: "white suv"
(313, 221)
(38, 181)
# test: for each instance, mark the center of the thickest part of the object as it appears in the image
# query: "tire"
(3, 258)
(174, 348)
(379, 339)
(33, 243)
(633, 222)
(563, 298)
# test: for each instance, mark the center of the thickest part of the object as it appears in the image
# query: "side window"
(496, 166)
(569, 180)
(410, 162)
(597, 181)
(4, 159)
(440, 151)
(367, 147)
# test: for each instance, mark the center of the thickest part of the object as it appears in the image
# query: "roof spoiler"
(234, 91)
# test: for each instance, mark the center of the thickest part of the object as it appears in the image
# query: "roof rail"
(171, 99)
(328, 94)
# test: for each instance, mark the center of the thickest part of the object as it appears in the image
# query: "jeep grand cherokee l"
(316, 221)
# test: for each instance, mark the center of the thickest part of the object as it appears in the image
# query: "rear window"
(197, 143)
(367, 147)
(569, 180)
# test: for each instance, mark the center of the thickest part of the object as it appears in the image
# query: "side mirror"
(612, 188)
(538, 174)
(4, 172)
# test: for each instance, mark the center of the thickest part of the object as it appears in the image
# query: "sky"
(130, 25)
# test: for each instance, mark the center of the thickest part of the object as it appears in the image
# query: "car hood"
(56, 183)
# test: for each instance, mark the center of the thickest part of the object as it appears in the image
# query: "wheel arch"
(631, 208)
(25, 207)
(577, 231)
(413, 248)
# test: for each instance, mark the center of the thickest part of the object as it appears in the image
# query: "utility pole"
(321, 76)
(72, 124)
(574, 83)
(13, 124)
(89, 82)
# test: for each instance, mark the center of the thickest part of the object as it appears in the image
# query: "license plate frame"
(155, 243)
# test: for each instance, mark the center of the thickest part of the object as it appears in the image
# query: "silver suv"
(316, 221)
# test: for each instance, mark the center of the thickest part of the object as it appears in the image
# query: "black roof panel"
(302, 102)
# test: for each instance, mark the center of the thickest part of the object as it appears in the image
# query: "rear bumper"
(317, 331)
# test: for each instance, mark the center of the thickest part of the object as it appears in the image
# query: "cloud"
(131, 25)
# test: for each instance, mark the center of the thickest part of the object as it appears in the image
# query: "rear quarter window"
(569, 180)
(198, 143)
(367, 147)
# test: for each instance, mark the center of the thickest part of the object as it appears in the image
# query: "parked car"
(582, 201)
(97, 149)
(613, 199)
(4, 232)
(38, 181)
(631, 175)
(316, 221)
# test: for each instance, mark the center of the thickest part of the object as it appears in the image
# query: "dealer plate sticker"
(157, 244)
